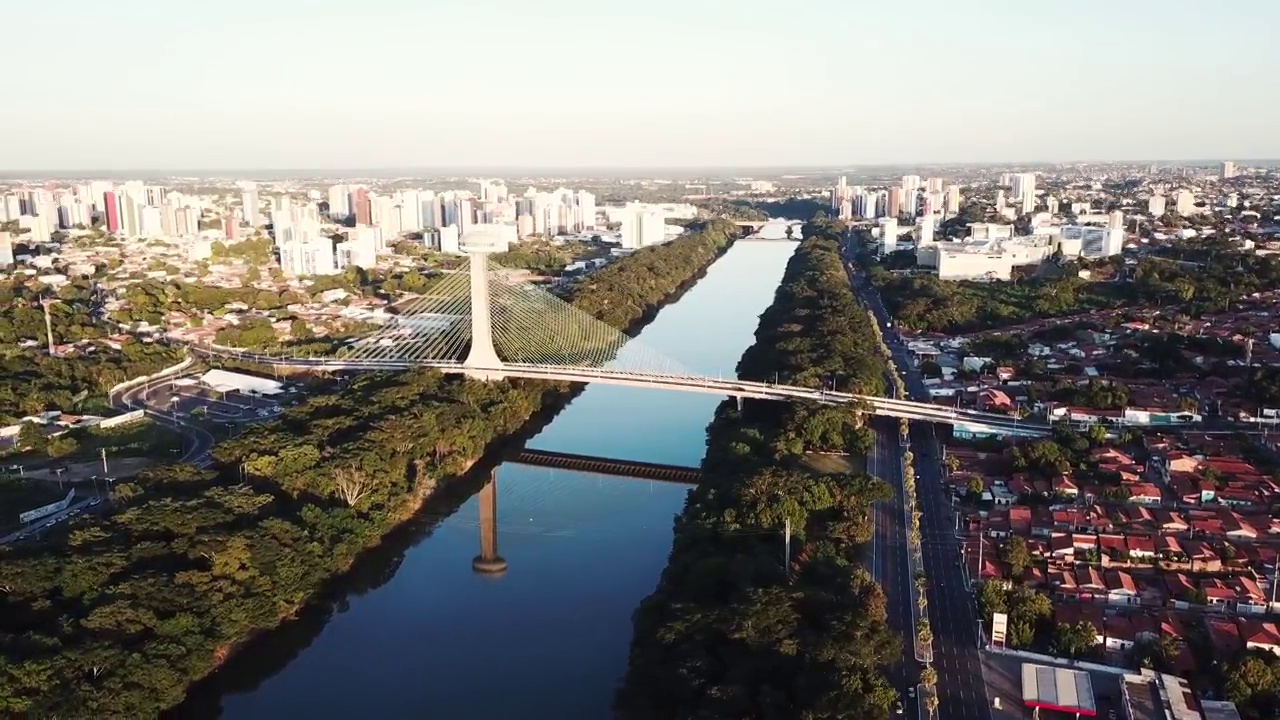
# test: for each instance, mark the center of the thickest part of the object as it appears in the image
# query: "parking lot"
(188, 397)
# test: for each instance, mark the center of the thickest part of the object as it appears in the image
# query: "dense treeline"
(117, 617)
(31, 381)
(732, 631)
(815, 332)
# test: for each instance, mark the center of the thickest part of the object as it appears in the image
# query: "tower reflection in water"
(488, 562)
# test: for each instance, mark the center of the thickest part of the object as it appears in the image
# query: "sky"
(329, 84)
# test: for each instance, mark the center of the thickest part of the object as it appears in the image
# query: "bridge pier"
(739, 399)
(482, 361)
(488, 562)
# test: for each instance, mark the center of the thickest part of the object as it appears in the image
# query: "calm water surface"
(548, 639)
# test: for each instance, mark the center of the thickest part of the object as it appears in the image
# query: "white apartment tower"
(1156, 205)
(339, 202)
(1228, 169)
(249, 199)
(888, 235)
(642, 225)
(953, 200)
(1184, 203)
(6, 249)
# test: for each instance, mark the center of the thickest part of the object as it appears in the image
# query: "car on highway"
(95, 501)
(911, 691)
(898, 710)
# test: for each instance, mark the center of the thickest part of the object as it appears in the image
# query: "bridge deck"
(610, 466)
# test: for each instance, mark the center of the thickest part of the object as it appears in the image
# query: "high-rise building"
(39, 228)
(934, 185)
(361, 206)
(642, 225)
(841, 194)
(1156, 205)
(1024, 191)
(1115, 220)
(1184, 203)
(893, 203)
(429, 209)
(97, 189)
(6, 249)
(888, 234)
(231, 226)
(1051, 205)
(586, 215)
(410, 211)
(111, 206)
(953, 200)
(926, 228)
(307, 256)
(360, 249)
(249, 201)
(339, 203)
(449, 240)
(1228, 169)
(910, 184)
(10, 207)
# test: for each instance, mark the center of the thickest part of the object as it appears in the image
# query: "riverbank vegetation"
(117, 615)
(736, 628)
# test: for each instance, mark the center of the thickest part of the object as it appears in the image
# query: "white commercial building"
(985, 259)
(1156, 205)
(1095, 242)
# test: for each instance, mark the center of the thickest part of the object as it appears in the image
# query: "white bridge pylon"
(483, 316)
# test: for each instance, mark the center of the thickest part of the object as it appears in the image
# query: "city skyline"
(712, 84)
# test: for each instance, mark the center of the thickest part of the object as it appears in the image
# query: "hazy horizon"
(386, 84)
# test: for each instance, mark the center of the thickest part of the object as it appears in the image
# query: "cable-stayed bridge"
(483, 322)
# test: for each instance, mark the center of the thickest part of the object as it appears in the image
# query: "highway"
(953, 615)
(198, 441)
(889, 554)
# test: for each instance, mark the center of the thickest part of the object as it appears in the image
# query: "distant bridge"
(610, 466)
(489, 326)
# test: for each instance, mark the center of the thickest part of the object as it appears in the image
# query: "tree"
(352, 484)
(992, 598)
(1074, 640)
(924, 633)
(975, 487)
(1254, 683)
(1017, 555)
(300, 330)
(62, 446)
(929, 676)
(32, 437)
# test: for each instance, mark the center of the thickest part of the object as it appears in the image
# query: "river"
(549, 637)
